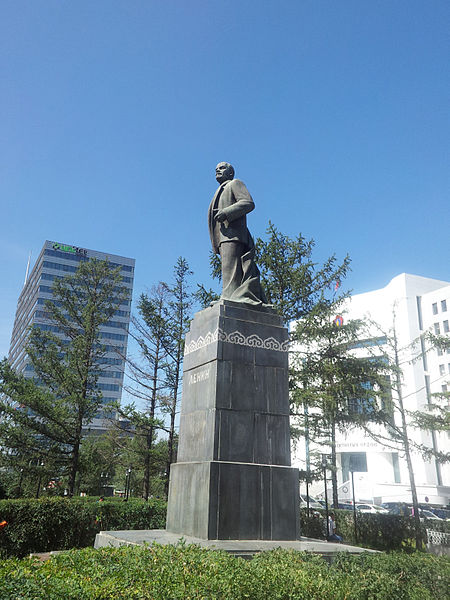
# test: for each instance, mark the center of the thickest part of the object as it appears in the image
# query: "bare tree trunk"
(170, 446)
(74, 462)
(173, 412)
(333, 463)
(77, 441)
(146, 482)
(417, 525)
(149, 438)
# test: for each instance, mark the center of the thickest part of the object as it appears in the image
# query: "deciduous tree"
(400, 422)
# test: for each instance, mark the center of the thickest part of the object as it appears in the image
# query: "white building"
(420, 304)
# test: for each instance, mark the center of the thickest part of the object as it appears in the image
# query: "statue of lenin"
(232, 240)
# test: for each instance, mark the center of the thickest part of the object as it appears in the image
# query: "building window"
(441, 369)
(437, 329)
(78, 258)
(439, 352)
(365, 405)
(444, 305)
(446, 328)
(444, 388)
(368, 343)
(435, 309)
(108, 387)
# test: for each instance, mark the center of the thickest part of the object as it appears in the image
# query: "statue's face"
(223, 172)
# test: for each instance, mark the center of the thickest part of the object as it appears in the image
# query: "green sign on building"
(68, 248)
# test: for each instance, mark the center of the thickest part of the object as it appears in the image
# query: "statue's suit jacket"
(234, 199)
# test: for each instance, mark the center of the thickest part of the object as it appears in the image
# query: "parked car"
(439, 511)
(371, 508)
(442, 513)
(397, 508)
(427, 514)
(345, 506)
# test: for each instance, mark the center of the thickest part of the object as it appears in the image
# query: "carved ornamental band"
(253, 341)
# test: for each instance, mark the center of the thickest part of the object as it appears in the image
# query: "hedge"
(376, 531)
(190, 572)
(59, 524)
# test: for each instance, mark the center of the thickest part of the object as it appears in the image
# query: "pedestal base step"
(243, 548)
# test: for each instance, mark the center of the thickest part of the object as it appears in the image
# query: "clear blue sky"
(114, 115)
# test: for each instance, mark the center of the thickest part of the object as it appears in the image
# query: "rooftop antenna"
(28, 269)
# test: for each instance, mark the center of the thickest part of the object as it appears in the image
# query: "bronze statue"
(232, 240)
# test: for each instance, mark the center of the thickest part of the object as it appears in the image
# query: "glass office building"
(57, 260)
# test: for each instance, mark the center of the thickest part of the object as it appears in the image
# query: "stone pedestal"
(232, 479)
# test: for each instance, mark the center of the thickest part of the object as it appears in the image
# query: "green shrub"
(190, 572)
(58, 523)
(375, 531)
(398, 575)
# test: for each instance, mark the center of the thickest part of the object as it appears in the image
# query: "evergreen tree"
(67, 356)
(326, 380)
(100, 461)
(293, 281)
(331, 388)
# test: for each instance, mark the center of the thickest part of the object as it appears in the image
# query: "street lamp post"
(127, 483)
(40, 463)
(19, 490)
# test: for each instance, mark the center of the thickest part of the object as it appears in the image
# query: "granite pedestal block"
(233, 478)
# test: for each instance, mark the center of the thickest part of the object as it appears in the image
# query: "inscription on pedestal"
(198, 376)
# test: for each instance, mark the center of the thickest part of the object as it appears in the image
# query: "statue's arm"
(244, 202)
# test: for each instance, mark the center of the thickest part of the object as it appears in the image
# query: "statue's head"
(224, 172)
